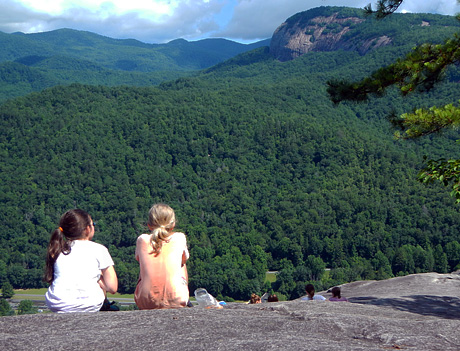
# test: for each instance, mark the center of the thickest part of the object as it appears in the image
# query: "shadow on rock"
(447, 307)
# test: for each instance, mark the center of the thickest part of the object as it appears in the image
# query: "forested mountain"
(32, 62)
(264, 172)
(123, 54)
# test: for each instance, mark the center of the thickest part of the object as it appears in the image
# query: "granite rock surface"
(415, 312)
(301, 34)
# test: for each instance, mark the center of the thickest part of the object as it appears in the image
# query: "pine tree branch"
(426, 121)
(421, 69)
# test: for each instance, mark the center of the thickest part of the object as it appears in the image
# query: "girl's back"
(163, 277)
(75, 287)
(78, 270)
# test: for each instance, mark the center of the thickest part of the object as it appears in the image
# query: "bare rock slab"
(416, 312)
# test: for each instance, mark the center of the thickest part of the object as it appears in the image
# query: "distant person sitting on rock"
(336, 295)
(255, 299)
(162, 254)
(273, 298)
(79, 270)
(310, 290)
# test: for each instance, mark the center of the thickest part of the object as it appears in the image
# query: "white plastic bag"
(205, 299)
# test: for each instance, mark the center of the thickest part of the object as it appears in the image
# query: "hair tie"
(60, 228)
(162, 226)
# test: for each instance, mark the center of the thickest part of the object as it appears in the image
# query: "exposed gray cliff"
(416, 312)
(303, 33)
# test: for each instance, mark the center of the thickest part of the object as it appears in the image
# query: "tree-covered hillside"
(32, 62)
(264, 173)
(120, 54)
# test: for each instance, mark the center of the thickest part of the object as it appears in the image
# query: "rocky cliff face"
(301, 34)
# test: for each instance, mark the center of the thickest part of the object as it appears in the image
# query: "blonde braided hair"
(162, 220)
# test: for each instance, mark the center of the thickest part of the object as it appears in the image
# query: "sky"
(160, 21)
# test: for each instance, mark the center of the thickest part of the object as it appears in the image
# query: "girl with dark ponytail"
(162, 255)
(79, 270)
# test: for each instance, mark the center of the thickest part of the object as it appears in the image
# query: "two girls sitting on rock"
(81, 271)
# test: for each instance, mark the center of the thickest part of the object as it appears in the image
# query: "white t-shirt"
(315, 297)
(75, 287)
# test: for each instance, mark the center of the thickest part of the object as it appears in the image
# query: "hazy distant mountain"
(31, 62)
(121, 54)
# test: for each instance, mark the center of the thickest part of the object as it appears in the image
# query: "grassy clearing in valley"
(30, 294)
(270, 277)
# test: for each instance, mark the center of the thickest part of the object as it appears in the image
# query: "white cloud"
(149, 21)
(258, 19)
(442, 7)
(58, 7)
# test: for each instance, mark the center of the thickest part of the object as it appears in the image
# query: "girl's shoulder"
(177, 236)
(88, 247)
(87, 244)
(144, 238)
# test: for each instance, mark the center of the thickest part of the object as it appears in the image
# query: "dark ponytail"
(56, 245)
(71, 227)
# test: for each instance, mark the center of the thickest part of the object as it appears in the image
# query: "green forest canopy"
(263, 171)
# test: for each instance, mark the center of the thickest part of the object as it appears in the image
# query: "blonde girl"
(79, 270)
(162, 255)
